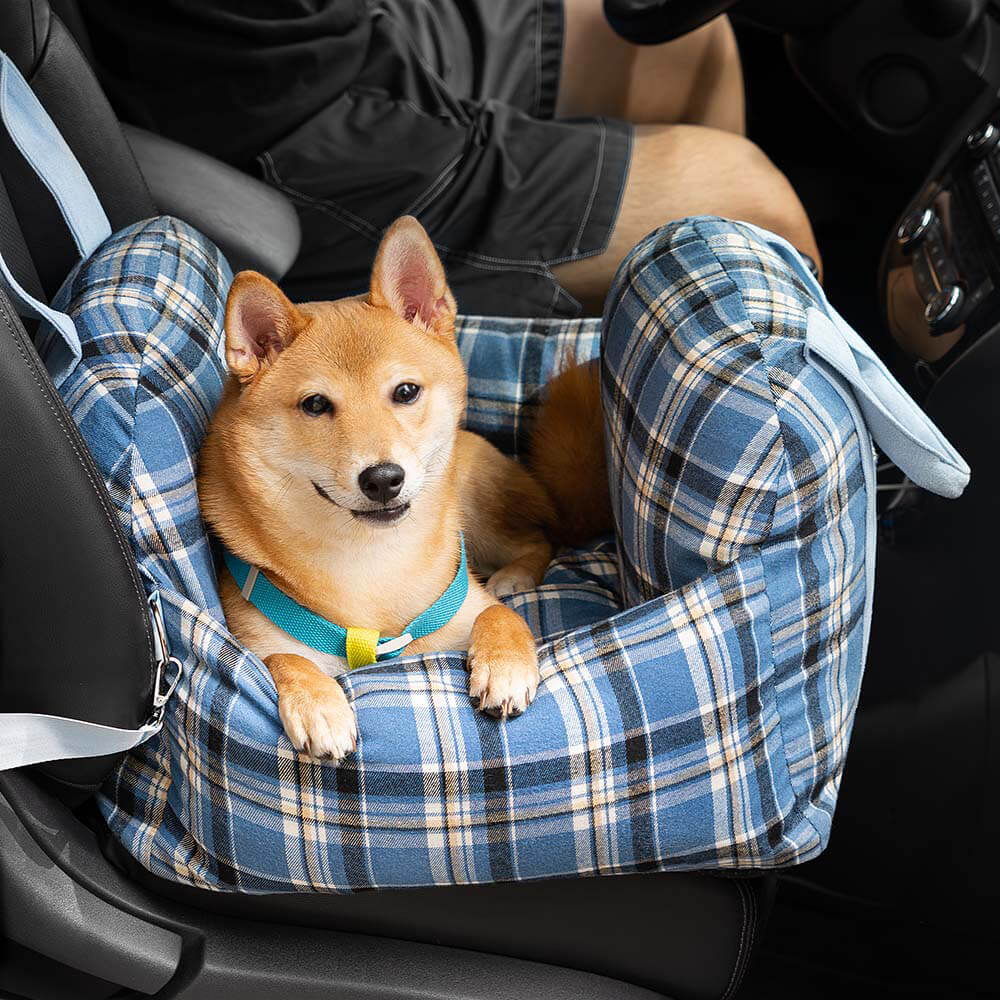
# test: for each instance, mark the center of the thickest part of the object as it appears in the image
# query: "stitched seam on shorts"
(593, 190)
(343, 215)
(607, 239)
(470, 256)
(555, 297)
(364, 90)
(494, 263)
(532, 267)
(436, 188)
(369, 231)
(366, 229)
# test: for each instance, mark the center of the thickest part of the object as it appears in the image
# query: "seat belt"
(45, 150)
(29, 737)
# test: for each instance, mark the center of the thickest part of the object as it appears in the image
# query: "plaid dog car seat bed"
(699, 672)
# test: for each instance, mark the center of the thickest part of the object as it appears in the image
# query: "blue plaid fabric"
(699, 671)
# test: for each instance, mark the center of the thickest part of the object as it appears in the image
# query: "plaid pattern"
(699, 674)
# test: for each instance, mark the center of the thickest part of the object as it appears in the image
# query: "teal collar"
(359, 646)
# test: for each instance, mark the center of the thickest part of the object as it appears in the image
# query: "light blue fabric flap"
(46, 152)
(900, 428)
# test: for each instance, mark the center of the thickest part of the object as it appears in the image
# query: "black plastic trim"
(44, 910)
(213, 958)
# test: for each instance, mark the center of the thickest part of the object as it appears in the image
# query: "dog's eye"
(315, 405)
(405, 392)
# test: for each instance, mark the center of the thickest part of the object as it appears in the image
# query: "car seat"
(102, 925)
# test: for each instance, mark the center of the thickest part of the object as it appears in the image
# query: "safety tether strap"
(48, 155)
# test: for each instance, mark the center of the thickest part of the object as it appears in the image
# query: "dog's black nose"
(382, 482)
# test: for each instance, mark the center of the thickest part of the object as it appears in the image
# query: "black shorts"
(451, 120)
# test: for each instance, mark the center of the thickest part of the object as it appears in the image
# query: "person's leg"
(689, 156)
(682, 170)
(695, 79)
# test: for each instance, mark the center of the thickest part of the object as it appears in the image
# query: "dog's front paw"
(318, 718)
(510, 580)
(503, 663)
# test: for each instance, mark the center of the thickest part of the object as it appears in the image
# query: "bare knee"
(710, 173)
(679, 171)
(770, 202)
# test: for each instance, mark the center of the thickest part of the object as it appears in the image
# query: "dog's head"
(347, 409)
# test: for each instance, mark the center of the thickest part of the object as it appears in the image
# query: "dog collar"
(359, 646)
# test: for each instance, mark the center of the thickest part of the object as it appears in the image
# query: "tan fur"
(314, 709)
(567, 456)
(503, 511)
(265, 462)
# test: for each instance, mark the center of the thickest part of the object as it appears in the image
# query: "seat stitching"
(743, 935)
(115, 528)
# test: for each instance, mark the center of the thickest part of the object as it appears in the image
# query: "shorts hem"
(604, 204)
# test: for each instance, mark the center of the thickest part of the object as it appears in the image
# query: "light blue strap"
(46, 152)
(32, 738)
(41, 144)
(900, 428)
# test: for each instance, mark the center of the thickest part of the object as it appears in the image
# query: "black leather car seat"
(84, 640)
(84, 628)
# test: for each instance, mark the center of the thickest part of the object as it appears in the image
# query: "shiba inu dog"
(336, 470)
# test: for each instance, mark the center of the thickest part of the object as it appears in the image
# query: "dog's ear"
(260, 323)
(408, 279)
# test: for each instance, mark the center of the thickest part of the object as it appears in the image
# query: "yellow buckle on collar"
(361, 646)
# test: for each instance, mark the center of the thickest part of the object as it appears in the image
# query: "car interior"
(885, 116)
